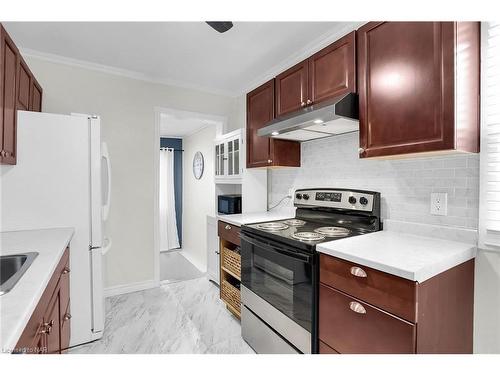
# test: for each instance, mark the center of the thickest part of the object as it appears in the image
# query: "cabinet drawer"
(325, 349)
(364, 331)
(388, 292)
(229, 232)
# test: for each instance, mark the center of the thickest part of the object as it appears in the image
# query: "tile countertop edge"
(419, 274)
(16, 328)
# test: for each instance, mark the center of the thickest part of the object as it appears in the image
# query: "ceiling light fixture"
(275, 133)
(220, 26)
(318, 121)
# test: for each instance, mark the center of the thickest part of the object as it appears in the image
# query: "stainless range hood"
(336, 116)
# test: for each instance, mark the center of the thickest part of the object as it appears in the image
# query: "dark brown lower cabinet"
(325, 349)
(48, 330)
(370, 330)
(360, 315)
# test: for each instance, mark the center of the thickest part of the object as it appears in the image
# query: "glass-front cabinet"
(228, 157)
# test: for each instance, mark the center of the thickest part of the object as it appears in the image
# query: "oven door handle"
(266, 245)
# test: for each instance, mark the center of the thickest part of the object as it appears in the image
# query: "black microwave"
(229, 204)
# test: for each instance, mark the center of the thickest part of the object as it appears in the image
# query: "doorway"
(184, 199)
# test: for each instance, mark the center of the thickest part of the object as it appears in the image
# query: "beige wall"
(198, 196)
(127, 110)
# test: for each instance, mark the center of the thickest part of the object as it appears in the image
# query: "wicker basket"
(231, 295)
(231, 261)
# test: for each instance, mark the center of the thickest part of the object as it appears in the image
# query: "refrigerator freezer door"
(97, 291)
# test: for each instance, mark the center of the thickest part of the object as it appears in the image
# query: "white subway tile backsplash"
(405, 184)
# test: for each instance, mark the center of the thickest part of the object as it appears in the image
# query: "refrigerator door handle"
(107, 200)
(108, 242)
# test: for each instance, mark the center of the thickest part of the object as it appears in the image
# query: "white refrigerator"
(62, 179)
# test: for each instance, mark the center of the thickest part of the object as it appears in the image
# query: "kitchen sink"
(12, 268)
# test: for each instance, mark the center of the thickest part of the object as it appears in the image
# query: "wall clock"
(198, 165)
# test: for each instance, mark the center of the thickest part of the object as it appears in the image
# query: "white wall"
(198, 196)
(127, 110)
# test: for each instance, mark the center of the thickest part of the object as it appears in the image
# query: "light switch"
(439, 204)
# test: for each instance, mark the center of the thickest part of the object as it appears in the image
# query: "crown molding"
(314, 46)
(58, 59)
(309, 49)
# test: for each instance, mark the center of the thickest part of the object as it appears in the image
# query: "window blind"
(489, 210)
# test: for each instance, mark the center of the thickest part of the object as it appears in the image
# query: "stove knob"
(363, 201)
(298, 196)
(305, 196)
(352, 200)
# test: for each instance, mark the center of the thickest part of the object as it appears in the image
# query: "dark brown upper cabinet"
(328, 73)
(264, 151)
(332, 71)
(19, 90)
(408, 97)
(23, 86)
(292, 88)
(9, 60)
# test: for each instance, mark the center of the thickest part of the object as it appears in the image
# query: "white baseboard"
(129, 288)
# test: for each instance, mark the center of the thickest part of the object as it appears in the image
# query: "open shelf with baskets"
(230, 268)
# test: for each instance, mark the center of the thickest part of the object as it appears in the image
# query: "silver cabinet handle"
(65, 271)
(357, 307)
(67, 316)
(361, 150)
(358, 272)
(269, 161)
(302, 104)
(309, 101)
(227, 227)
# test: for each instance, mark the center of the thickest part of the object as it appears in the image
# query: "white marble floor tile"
(175, 267)
(183, 317)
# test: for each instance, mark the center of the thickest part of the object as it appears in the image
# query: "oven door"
(278, 287)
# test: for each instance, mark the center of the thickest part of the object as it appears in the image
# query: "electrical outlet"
(439, 204)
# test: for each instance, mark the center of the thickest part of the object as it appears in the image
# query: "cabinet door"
(36, 96)
(8, 79)
(292, 89)
(23, 86)
(233, 157)
(260, 110)
(219, 159)
(52, 325)
(332, 71)
(406, 93)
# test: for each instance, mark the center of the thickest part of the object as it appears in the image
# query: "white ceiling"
(180, 124)
(187, 54)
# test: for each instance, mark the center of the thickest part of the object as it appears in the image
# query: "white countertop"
(257, 217)
(410, 256)
(17, 306)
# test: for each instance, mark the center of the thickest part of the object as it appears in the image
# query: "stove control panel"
(351, 200)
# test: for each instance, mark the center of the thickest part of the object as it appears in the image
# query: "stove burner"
(308, 236)
(333, 231)
(272, 227)
(294, 222)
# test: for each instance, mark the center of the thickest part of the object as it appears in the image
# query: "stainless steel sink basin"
(12, 268)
